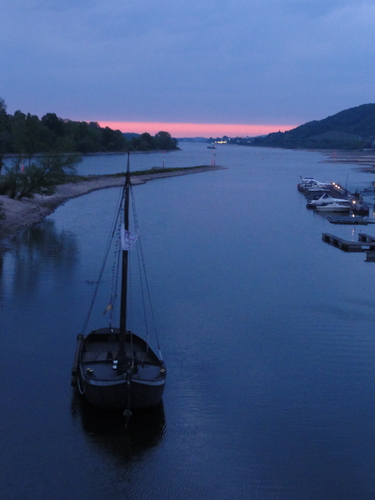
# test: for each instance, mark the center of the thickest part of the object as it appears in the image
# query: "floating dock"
(365, 243)
(366, 237)
(347, 219)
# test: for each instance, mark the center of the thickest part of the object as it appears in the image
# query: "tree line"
(27, 134)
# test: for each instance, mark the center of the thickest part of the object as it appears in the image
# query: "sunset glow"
(196, 129)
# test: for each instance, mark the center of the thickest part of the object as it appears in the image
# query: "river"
(267, 333)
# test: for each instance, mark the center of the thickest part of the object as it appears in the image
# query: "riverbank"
(364, 159)
(26, 213)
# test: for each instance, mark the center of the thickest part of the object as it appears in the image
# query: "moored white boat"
(334, 207)
(310, 185)
(326, 199)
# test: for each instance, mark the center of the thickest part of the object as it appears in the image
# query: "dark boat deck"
(99, 356)
(100, 351)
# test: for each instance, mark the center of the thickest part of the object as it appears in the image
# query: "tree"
(113, 140)
(4, 132)
(54, 124)
(32, 135)
(18, 125)
(146, 141)
(163, 140)
(40, 177)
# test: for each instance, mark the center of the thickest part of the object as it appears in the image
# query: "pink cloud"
(196, 129)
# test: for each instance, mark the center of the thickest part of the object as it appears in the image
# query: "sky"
(192, 68)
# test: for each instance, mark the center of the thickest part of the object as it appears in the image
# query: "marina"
(331, 197)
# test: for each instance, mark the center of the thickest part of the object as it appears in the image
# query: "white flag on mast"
(128, 238)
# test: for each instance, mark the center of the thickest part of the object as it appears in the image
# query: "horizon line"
(189, 129)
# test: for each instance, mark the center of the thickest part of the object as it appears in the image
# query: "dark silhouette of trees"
(26, 134)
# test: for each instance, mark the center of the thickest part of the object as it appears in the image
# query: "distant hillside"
(353, 128)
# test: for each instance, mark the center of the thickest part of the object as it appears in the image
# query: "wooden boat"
(114, 368)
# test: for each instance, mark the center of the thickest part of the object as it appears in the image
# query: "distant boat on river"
(114, 368)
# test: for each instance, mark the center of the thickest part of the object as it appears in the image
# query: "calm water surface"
(267, 333)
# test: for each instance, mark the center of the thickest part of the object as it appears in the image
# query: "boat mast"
(125, 258)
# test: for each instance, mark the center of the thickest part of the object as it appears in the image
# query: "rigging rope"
(142, 266)
(145, 288)
(108, 247)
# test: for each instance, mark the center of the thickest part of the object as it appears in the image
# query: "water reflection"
(32, 254)
(108, 430)
(45, 243)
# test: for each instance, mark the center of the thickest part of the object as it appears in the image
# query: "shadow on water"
(108, 430)
(37, 251)
(43, 241)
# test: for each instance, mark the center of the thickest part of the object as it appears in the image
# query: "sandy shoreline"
(26, 213)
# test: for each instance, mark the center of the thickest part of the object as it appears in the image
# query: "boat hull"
(136, 396)
(333, 208)
(100, 380)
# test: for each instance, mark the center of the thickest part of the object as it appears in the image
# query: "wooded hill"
(26, 134)
(351, 129)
